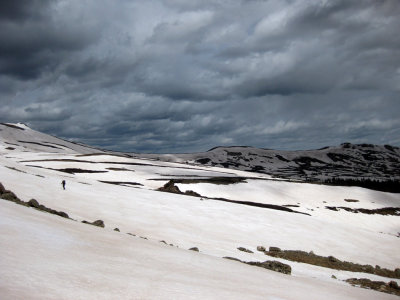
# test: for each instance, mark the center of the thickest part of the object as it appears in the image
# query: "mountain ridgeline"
(366, 165)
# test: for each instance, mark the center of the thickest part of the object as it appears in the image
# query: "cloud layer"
(177, 76)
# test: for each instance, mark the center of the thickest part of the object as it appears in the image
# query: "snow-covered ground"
(45, 256)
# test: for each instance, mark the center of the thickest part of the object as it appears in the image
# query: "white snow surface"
(44, 256)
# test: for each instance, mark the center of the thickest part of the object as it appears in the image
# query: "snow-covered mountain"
(347, 161)
(153, 211)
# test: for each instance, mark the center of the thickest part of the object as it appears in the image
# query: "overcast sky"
(183, 76)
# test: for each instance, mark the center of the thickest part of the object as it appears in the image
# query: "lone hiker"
(63, 184)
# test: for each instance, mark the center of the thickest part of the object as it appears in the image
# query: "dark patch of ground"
(12, 126)
(330, 262)
(76, 170)
(390, 288)
(108, 154)
(69, 170)
(338, 157)
(257, 169)
(262, 205)
(244, 250)
(120, 169)
(60, 145)
(60, 159)
(307, 161)
(15, 169)
(385, 211)
(231, 153)
(351, 200)
(282, 158)
(213, 180)
(272, 265)
(98, 223)
(169, 176)
(387, 185)
(170, 187)
(10, 148)
(122, 183)
(40, 144)
(203, 161)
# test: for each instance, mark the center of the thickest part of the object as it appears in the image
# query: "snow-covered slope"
(46, 256)
(23, 138)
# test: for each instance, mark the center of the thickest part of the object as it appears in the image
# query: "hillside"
(154, 211)
(346, 161)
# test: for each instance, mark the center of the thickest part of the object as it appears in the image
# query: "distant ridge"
(347, 164)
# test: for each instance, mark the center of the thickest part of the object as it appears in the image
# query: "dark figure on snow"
(63, 184)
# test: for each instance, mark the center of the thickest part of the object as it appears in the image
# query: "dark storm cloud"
(36, 38)
(174, 75)
(22, 9)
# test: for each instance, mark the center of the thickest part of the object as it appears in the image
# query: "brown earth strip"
(272, 265)
(385, 211)
(69, 170)
(40, 144)
(390, 288)
(123, 183)
(330, 262)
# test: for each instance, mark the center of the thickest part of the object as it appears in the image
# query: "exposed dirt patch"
(170, 187)
(330, 262)
(60, 159)
(282, 158)
(107, 154)
(69, 170)
(98, 223)
(385, 211)
(122, 183)
(262, 205)
(40, 144)
(391, 287)
(203, 161)
(272, 265)
(351, 200)
(76, 170)
(213, 180)
(15, 169)
(120, 169)
(231, 153)
(244, 250)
